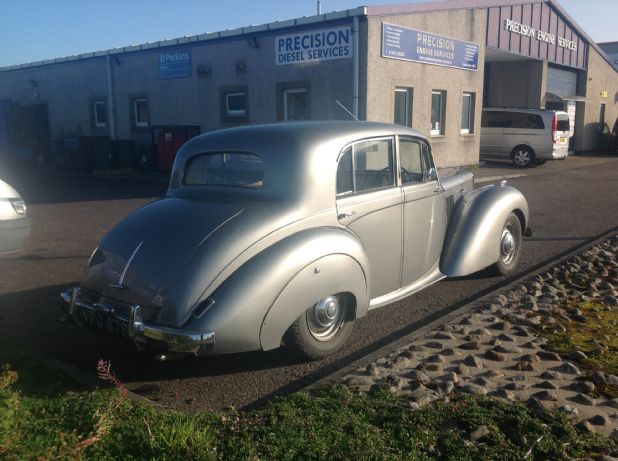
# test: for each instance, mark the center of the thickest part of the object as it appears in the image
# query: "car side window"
(366, 166)
(411, 161)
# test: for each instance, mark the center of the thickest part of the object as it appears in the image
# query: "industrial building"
(432, 66)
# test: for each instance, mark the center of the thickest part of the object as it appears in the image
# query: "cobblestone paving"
(495, 351)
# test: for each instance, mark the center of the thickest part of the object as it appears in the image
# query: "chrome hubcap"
(325, 318)
(507, 245)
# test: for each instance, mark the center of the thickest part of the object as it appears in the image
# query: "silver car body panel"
(242, 264)
(14, 225)
(473, 235)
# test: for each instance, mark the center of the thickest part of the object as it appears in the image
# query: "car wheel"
(323, 328)
(510, 246)
(522, 156)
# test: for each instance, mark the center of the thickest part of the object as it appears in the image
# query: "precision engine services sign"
(407, 44)
(313, 46)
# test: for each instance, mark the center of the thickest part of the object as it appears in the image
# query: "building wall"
(68, 88)
(65, 88)
(384, 74)
(601, 87)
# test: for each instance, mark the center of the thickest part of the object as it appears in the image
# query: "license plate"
(102, 323)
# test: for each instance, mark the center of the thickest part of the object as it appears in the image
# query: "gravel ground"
(494, 350)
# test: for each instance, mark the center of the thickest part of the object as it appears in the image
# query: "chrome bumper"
(142, 333)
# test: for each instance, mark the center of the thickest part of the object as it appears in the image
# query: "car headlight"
(18, 205)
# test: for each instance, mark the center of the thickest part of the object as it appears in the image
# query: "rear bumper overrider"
(140, 332)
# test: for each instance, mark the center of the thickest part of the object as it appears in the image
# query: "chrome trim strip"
(170, 339)
(432, 276)
(126, 267)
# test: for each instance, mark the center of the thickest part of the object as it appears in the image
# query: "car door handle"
(346, 214)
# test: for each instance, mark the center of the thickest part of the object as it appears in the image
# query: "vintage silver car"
(287, 233)
(14, 222)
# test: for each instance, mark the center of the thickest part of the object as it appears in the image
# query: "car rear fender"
(253, 308)
(332, 274)
(472, 240)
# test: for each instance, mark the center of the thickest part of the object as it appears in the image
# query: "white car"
(14, 223)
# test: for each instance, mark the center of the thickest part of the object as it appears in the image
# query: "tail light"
(554, 128)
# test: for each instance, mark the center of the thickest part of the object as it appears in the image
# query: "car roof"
(308, 142)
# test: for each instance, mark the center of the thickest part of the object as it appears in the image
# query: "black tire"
(510, 246)
(320, 332)
(523, 157)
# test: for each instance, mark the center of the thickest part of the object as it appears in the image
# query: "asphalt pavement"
(571, 203)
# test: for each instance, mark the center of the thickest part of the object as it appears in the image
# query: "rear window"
(225, 169)
(563, 124)
(504, 119)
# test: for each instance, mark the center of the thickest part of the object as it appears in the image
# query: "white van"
(526, 136)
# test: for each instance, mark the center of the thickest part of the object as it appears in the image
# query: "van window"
(504, 119)
(563, 124)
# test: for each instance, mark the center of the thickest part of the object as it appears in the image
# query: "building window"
(294, 100)
(602, 118)
(236, 104)
(295, 104)
(141, 116)
(99, 114)
(403, 106)
(438, 105)
(467, 113)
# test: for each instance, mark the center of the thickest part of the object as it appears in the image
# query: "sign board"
(314, 46)
(175, 64)
(407, 44)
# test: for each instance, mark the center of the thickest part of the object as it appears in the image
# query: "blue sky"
(32, 30)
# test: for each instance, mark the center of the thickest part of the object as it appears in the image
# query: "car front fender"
(253, 308)
(472, 240)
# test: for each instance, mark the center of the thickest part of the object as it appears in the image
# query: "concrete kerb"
(387, 350)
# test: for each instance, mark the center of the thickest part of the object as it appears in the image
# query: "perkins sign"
(175, 64)
(407, 44)
(320, 45)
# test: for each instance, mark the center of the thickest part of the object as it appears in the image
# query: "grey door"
(424, 215)
(369, 203)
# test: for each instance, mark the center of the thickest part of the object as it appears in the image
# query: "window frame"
(471, 110)
(136, 122)
(236, 112)
(442, 120)
(95, 115)
(282, 88)
(409, 105)
(394, 158)
(197, 157)
(288, 91)
(234, 116)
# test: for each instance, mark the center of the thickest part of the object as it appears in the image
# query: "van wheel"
(510, 246)
(323, 328)
(523, 156)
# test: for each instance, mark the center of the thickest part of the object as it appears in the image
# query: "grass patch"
(596, 337)
(44, 416)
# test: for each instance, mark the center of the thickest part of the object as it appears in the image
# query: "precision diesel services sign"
(315, 45)
(408, 44)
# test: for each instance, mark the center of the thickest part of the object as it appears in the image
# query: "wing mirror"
(432, 174)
